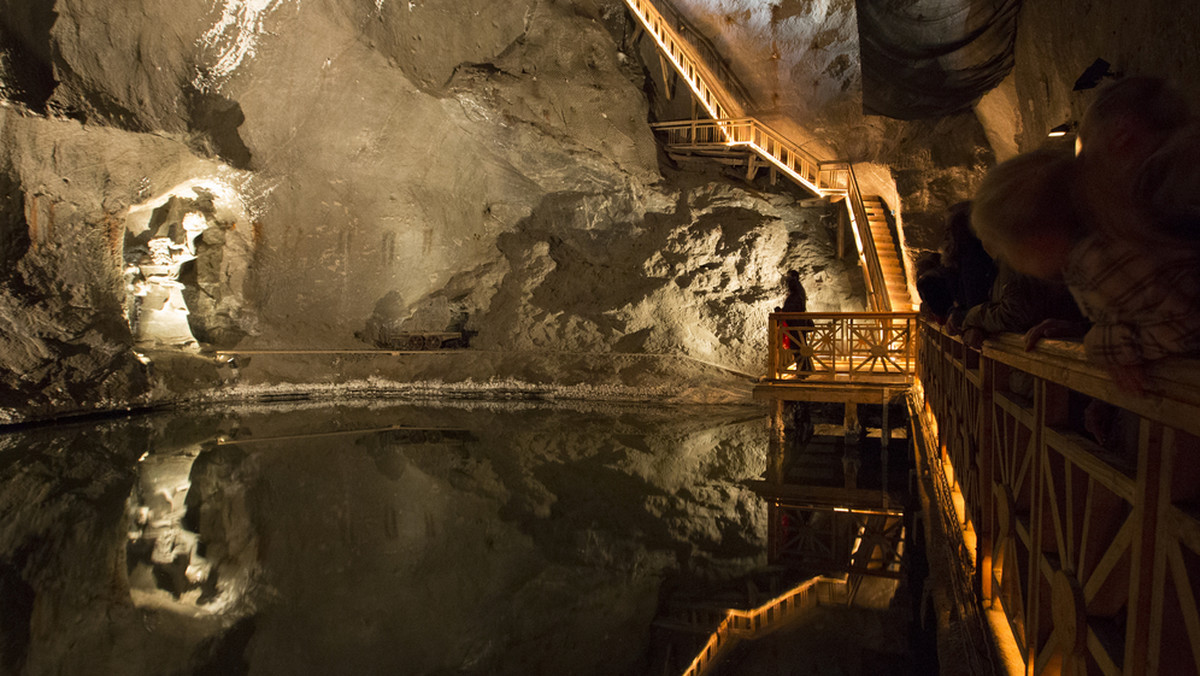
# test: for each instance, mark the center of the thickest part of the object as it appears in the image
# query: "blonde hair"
(1025, 196)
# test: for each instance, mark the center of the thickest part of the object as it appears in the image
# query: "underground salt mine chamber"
(429, 337)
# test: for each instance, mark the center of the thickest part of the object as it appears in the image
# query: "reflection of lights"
(747, 623)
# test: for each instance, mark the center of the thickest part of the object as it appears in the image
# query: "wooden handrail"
(798, 164)
(705, 51)
(876, 284)
(715, 100)
(1046, 503)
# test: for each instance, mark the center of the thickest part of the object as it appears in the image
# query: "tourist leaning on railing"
(1129, 250)
(1143, 301)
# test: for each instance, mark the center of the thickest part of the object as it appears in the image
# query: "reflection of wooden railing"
(841, 346)
(1088, 555)
(755, 623)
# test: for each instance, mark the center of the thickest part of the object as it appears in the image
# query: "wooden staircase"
(715, 90)
(890, 261)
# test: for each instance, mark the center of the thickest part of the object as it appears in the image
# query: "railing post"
(986, 469)
(773, 345)
(1155, 451)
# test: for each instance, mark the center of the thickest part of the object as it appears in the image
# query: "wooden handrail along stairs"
(717, 91)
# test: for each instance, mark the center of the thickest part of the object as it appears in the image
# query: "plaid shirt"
(1144, 302)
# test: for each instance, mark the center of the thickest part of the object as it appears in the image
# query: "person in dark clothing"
(963, 276)
(795, 301)
(1018, 303)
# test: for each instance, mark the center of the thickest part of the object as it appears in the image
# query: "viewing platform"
(851, 357)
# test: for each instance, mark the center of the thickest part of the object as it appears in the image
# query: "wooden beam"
(668, 84)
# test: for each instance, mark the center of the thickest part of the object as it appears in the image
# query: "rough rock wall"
(62, 323)
(1056, 42)
(450, 165)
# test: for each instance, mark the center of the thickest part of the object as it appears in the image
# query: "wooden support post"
(751, 167)
(1151, 498)
(987, 497)
(638, 31)
(774, 175)
(668, 85)
(884, 437)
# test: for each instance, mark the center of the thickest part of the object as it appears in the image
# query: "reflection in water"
(367, 539)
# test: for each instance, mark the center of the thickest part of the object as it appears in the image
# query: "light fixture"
(1062, 130)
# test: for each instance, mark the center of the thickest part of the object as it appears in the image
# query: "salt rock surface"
(497, 165)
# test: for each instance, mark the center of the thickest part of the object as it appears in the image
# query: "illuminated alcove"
(185, 257)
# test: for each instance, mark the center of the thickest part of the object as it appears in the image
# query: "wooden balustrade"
(702, 49)
(705, 85)
(842, 347)
(863, 237)
(1086, 554)
(822, 178)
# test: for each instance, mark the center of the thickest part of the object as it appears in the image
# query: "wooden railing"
(842, 346)
(702, 49)
(743, 624)
(704, 84)
(1086, 554)
(799, 164)
(864, 239)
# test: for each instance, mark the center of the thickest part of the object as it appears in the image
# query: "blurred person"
(1139, 176)
(1018, 303)
(1143, 299)
(795, 301)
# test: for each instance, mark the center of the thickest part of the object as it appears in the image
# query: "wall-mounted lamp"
(1062, 130)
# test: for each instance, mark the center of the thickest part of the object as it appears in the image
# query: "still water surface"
(367, 538)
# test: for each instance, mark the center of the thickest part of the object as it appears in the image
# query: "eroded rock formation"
(486, 170)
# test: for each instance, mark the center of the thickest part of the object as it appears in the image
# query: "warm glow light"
(760, 619)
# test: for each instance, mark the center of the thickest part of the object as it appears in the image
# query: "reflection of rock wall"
(485, 540)
(534, 543)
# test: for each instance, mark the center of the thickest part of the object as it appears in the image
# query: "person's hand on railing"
(953, 323)
(973, 337)
(1053, 328)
